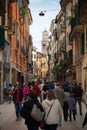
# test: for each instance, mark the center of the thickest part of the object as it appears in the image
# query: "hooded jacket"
(55, 111)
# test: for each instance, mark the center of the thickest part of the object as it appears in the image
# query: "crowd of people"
(55, 99)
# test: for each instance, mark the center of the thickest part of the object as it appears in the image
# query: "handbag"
(36, 113)
(42, 124)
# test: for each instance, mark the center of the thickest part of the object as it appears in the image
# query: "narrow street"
(7, 120)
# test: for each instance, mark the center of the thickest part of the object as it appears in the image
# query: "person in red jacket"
(17, 99)
(37, 89)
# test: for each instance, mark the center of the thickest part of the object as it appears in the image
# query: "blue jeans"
(51, 127)
(33, 128)
(18, 109)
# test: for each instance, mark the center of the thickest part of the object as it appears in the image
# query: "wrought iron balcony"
(76, 26)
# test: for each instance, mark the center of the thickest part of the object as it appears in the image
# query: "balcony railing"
(76, 26)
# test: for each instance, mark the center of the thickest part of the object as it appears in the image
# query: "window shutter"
(2, 37)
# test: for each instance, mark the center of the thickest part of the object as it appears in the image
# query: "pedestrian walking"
(51, 85)
(37, 90)
(78, 92)
(71, 107)
(60, 95)
(44, 91)
(26, 92)
(31, 123)
(17, 99)
(51, 103)
(65, 106)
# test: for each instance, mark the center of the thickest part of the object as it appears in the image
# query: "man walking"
(17, 99)
(78, 92)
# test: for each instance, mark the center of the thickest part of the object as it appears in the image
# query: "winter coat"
(79, 90)
(26, 90)
(20, 95)
(71, 103)
(55, 111)
(37, 89)
(26, 112)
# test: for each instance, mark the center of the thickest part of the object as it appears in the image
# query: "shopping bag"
(36, 113)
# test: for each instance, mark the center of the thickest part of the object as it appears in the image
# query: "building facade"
(38, 62)
(15, 17)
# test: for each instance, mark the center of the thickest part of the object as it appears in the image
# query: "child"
(71, 107)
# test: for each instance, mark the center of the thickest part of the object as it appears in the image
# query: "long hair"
(51, 95)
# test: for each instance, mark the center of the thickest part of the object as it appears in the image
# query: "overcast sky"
(40, 23)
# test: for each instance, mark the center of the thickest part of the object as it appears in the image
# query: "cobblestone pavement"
(8, 120)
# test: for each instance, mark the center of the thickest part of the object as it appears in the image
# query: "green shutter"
(2, 37)
(82, 44)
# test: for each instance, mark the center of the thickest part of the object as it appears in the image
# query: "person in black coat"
(31, 123)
